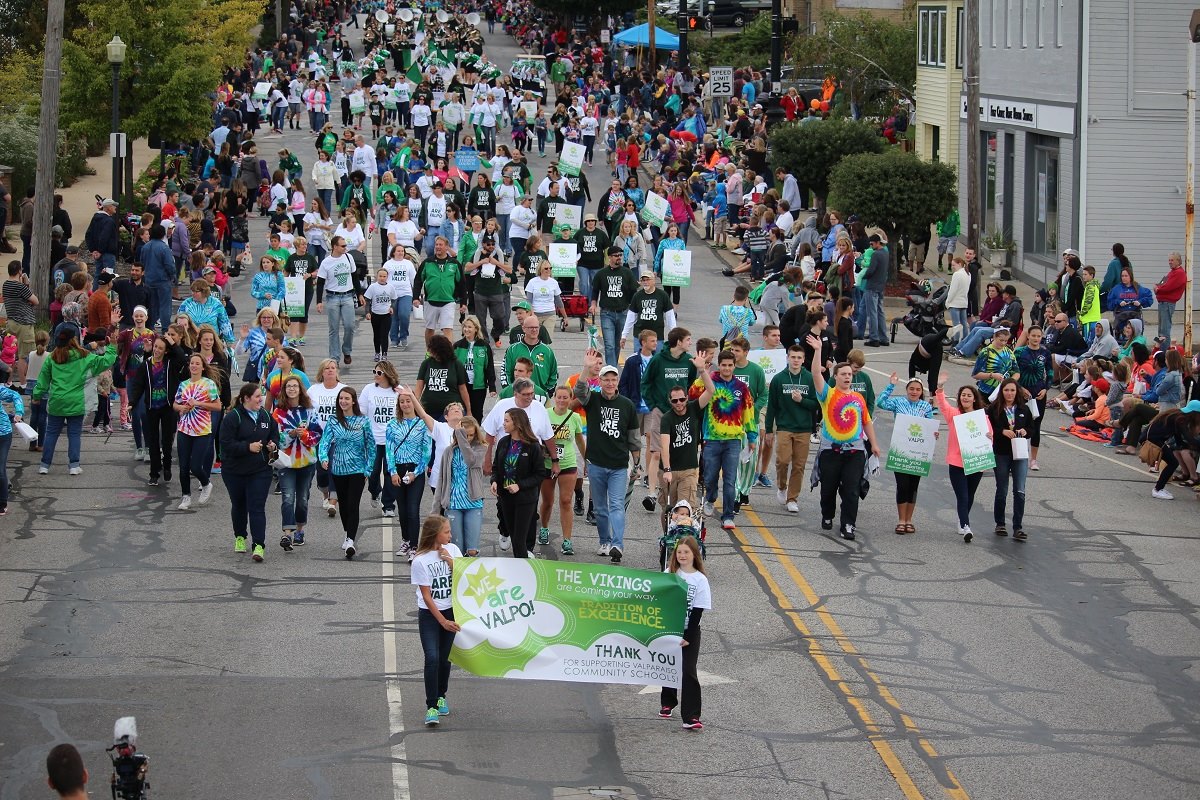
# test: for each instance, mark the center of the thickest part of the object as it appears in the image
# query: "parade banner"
(358, 103)
(570, 160)
(973, 442)
(261, 90)
(530, 107)
(566, 216)
(563, 258)
(676, 268)
(772, 362)
(582, 623)
(913, 442)
(293, 295)
(656, 209)
(467, 159)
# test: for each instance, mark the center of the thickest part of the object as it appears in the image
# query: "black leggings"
(906, 487)
(1170, 462)
(841, 475)
(519, 512)
(930, 364)
(349, 491)
(381, 326)
(690, 708)
(1035, 436)
(477, 396)
(159, 427)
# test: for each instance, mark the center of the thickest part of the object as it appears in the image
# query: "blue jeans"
(608, 496)
(54, 426)
(326, 197)
(970, 346)
(436, 642)
(295, 484)
(876, 325)
(160, 305)
(465, 524)
(105, 261)
(586, 276)
(958, 316)
(721, 455)
(502, 219)
(401, 314)
(1006, 465)
(611, 325)
(248, 504)
(5, 446)
(1165, 312)
(340, 308)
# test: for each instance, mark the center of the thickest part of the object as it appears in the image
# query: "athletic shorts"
(440, 317)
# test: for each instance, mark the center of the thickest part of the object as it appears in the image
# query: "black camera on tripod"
(129, 766)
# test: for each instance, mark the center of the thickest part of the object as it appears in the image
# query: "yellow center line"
(874, 734)
(949, 783)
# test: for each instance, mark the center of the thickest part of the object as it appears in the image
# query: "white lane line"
(400, 789)
(1062, 439)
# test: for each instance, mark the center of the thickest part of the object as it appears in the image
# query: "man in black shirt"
(131, 293)
(680, 433)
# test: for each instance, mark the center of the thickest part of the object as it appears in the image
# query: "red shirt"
(1171, 287)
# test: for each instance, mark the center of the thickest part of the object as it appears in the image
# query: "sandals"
(1001, 530)
(1019, 535)
(905, 527)
(911, 528)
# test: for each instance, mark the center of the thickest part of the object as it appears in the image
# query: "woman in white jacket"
(325, 178)
(956, 299)
(521, 222)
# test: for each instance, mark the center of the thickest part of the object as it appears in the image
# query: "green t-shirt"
(861, 383)
(566, 427)
(441, 384)
(753, 376)
(684, 430)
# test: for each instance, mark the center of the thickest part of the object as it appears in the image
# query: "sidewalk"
(79, 199)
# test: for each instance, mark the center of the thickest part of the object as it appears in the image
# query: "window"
(958, 39)
(1008, 22)
(931, 41)
(993, 17)
(1058, 23)
(1041, 196)
(935, 142)
(1039, 23)
(1024, 26)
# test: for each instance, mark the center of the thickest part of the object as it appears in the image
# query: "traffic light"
(690, 22)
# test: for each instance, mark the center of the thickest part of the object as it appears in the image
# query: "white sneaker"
(504, 543)
(389, 512)
(185, 502)
(603, 550)
(1162, 494)
(326, 505)
(1033, 465)
(348, 546)
(814, 439)
(43, 470)
(781, 497)
(75, 471)
(205, 492)
(965, 532)
(793, 507)
(709, 509)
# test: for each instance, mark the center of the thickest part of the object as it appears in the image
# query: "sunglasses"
(379, 372)
(675, 400)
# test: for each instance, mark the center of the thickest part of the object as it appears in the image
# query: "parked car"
(735, 13)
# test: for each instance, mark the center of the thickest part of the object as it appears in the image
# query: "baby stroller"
(926, 311)
(667, 542)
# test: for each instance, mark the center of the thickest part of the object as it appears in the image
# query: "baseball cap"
(1071, 251)
(108, 201)
(72, 250)
(524, 306)
(874, 237)
(57, 229)
(106, 275)
(609, 369)
(1192, 407)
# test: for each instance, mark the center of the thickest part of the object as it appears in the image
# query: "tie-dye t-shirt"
(730, 412)
(198, 421)
(843, 415)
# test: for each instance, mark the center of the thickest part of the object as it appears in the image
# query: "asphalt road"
(890, 667)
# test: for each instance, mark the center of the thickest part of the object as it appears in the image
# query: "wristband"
(666, 469)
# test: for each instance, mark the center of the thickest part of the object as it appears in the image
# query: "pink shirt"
(953, 454)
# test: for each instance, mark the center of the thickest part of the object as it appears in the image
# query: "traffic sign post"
(721, 81)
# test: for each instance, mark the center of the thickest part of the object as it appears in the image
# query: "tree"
(895, 191)
(874, 59)
(177, 53)
(809, 151)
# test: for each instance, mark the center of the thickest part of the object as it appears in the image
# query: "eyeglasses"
(675, 400)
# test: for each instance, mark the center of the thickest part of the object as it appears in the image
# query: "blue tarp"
(639, 36)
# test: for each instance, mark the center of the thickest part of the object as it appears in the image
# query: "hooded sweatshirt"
(65, 381)
(1089, 308)
(1104, 345)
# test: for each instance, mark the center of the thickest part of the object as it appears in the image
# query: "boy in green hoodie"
(1089, 309)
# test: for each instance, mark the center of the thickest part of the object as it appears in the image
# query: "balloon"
(814, 104)
(824, 106)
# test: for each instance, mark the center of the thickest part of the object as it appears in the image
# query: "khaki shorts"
(438, 318)
(651, 424)
(25, 337)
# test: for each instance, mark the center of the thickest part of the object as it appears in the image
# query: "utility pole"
(278, 19)
(650, 34)
(776, 47)
(47, 153)
(971, 82)
(681, 22)
(1189, 200)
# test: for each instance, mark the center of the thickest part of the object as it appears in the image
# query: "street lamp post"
(116, 57)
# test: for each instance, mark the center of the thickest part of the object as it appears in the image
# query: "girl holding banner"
(913, 404)
(1010, 416)
(672, 241)
(688, 564)
(432, 568)
(969, 400)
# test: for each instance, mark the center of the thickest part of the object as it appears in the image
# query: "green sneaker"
(443, 707)
(239, 544)
(568, 549)
(258, 553)
(543, 536)
(432, 718)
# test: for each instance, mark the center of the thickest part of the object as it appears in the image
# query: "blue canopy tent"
(639, 36)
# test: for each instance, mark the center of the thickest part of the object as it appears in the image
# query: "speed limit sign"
(721, 80)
